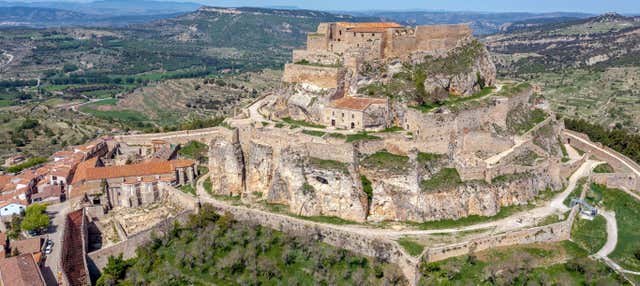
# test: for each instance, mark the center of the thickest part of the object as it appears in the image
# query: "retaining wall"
(549, 233)
(177, 137)
(99, 258)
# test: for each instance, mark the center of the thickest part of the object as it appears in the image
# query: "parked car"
(49, 247)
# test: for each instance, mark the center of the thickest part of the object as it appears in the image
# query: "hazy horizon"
(532, 6)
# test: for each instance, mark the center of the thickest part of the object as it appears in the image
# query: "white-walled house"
(12, 208)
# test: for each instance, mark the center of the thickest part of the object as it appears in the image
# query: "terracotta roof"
(135, 170)
(27, 246)
(20, 270)
(356, 103)
(48, 191)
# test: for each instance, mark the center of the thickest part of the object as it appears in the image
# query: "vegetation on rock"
(212, 248)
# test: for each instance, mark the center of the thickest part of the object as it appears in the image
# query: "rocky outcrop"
(226, 164)
(315, 187)
(398, 198)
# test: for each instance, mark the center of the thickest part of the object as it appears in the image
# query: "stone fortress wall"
(177, 137)
(549, 233)
(127, 247)
(336, 47)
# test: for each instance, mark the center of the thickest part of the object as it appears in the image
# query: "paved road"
(51, 269)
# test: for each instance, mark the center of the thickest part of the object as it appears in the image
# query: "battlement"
(385, 39)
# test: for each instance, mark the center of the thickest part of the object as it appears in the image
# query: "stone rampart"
(600, 151)
(543, 234)
(184, 200)
(319, 57)
(432, 38)
(323, 77)
(568, 168)
(177, 137)
(127, 248)
(617, 180)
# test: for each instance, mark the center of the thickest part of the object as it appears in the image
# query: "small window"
(362, 35)
(343, 115)
(354, 34)
(372, 34)
(340, 32)
(353, 115)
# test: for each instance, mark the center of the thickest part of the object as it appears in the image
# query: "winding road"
(520, 220)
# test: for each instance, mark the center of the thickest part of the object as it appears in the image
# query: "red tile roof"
(48, 191)
(356, 103)
(85, 172)
(27, 246)
(20, 270)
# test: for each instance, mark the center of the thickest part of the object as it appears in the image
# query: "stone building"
(129, 185)
(357, 113)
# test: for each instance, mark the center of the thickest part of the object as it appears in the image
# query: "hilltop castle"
(325, 79)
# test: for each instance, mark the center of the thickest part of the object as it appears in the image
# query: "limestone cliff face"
(394, 201)
(290, 176)
(314, 190)
(226, 165)
(466, 81)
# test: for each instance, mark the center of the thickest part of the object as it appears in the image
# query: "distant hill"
(606, 40)
(50, 17)
(483, 23)
(112, 7)
(258, 30)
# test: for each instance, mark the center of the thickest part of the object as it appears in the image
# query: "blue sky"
(588, 6)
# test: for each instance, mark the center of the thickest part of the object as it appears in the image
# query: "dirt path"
(612, 234)
(10, 56)
(616, 156)
(573, 154)
(520, 220)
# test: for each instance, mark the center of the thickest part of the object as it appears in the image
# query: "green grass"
(367, 188)
(361, 136)
(109, 101)
(424, 158)
(189, 189)
(326, 219)
(392, 129)
(454, 100)
(384, 160)
(307, 63)
(627, 210)
(603, 168)
(301, 123)
(207, 186)
(31, 162)
(412, 247)
(532, 119)
(120, 115)
(559, 263)
(329, 165)
(194, 150)
(447, 178)
(314, 133)
(590, 235)
(470, 220)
